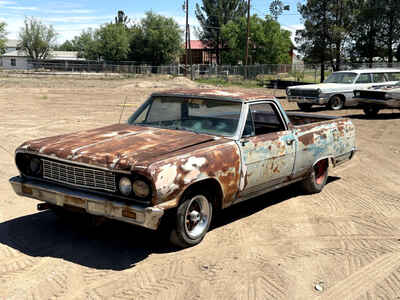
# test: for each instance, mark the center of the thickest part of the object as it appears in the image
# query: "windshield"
(341, 78)
(214, 117)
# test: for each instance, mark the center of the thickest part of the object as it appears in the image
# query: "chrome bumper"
(309, 100)
(148, 217)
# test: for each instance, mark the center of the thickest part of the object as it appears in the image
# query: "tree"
(36, 38)
(3, 37)
(121, 18)
(156, 40)
(269, 44)
(113, 42)
(368, 25)
(390, 34)
(314, 39)
(213, 15)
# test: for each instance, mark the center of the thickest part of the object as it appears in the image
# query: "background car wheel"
(193, 218)
(304, 106)
(317, 178)
(336, 103)
(371, 111)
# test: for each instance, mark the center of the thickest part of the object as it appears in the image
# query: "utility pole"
(247, 36)
(186, 35)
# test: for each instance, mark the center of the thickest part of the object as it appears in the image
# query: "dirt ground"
(342, 243)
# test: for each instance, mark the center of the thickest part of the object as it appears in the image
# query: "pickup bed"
(183, 155)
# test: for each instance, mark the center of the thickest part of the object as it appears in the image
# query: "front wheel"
(304, 106)
(316, 181)
(336, 103)
(193, 219)
(371, 111)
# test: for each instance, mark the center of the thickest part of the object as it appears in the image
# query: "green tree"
(121, 18)
(213, 15)
(3, 37)
(66, 46)
(366, 33)
(315, 40)
(36, 38)
(390, 29)
(156, 40)
(112, 42)
(269, 44)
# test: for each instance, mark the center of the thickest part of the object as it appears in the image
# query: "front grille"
(373, 95)
(79, 176)
(304, 93)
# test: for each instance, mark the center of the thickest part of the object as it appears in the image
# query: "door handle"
(289, 142)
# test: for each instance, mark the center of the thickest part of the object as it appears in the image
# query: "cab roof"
(216, 94)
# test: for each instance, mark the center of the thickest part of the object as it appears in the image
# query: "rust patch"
(128, 213)
(27, 190)
(74, 200)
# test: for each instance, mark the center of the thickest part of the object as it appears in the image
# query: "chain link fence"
(262, 73)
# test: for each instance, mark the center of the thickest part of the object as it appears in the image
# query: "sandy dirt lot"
(345, 241)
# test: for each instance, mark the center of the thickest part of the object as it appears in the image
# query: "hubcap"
(197, 216)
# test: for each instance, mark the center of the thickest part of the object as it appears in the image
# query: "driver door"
(267, 147)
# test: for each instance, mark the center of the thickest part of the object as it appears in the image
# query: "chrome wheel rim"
(336, 103)
(197, 216)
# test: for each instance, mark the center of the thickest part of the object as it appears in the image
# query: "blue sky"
(69, 17)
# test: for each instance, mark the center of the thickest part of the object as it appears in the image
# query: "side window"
(13, 62)
(262, 119)
(393, 76)
(378, 77)
(364, 78)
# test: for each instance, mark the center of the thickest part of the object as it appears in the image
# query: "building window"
(13, 62)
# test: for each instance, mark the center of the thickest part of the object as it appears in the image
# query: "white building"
(20, 60)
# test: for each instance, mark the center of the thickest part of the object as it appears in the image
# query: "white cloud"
(71, 11)
(77, 19)
(2, 3)
(22, 7)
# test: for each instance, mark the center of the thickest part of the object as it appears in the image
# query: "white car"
(337, 90)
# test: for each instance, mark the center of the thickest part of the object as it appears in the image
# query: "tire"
(304, 106)
(316, 181)
(193, 218)
(336, 103)
(371, 111)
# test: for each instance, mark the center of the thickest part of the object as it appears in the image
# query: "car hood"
(119, 146)
(324, 87)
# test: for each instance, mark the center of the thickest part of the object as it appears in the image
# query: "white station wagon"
(337, 90)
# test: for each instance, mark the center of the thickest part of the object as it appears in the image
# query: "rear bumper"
(309, 100)
(148, 217)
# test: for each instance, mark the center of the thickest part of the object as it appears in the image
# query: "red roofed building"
(201, 54)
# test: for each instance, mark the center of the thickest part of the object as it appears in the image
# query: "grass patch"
(227, 83)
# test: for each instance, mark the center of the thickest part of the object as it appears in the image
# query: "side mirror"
(244, 140)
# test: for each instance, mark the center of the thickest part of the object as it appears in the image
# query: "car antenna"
(122, 111)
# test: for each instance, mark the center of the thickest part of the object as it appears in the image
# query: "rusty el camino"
(183, 155)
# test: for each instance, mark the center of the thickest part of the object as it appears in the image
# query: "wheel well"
(210, 187)
(328, 159)
(340, 96)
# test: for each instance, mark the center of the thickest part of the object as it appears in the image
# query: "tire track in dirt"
(364, 278)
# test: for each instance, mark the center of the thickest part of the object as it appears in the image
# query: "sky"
(70, 17)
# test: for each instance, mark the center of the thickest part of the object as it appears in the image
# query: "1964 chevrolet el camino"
(183, 154)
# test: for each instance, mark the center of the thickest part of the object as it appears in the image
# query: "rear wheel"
(193, 219)
(336, 103)
(371, 111)
(304, 106)
(317, 178)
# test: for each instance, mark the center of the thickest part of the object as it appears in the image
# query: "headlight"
(288, 91)
(125, 186)
(35, 165)
(357, 94)
(141, 188)
(319, 91)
